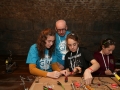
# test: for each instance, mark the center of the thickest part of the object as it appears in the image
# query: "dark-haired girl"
(105, 58)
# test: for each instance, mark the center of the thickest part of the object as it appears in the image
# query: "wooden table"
(99, 83)
(12, 81)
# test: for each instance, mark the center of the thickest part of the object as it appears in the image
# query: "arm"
(98, 58)
(95, 65)
(87, 74)
(35, 71)
(89, 57)
(55, 67)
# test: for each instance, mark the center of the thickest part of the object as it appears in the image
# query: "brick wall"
(22, 20)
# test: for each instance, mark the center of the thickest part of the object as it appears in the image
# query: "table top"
(98, 83)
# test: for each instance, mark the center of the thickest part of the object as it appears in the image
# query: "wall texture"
(22, 20)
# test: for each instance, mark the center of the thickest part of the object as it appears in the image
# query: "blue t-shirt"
(41, 63)
(61, 47)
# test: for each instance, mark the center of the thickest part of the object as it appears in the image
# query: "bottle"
(66, 79)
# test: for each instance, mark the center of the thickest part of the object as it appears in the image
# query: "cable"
(104, 83)
(60, 85)
(115, 81)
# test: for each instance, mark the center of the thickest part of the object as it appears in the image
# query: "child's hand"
(108, 72)
(77, 70)
(65, 72)
(54, 74)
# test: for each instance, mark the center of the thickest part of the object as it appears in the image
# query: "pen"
(115, 74)
(73, 87)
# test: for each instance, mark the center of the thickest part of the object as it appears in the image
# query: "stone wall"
(22, 20)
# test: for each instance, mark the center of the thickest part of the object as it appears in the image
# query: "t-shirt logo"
(111, 61)
(45, 62)
(75, 61)
(62, 47)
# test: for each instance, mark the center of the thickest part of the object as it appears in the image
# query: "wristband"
(90, 69)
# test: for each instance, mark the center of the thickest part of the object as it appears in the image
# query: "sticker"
(114, 85)
(111, 61)
(77, 84)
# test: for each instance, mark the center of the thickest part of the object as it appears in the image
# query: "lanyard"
(105, 62)
(73, 66)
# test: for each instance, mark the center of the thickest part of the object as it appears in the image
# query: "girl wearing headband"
(105, 57)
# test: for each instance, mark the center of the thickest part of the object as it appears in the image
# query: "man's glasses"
(59, 30)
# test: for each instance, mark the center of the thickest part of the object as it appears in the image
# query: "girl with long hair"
(41, 57)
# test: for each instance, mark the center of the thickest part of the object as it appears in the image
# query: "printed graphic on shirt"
(45, 63)
(111, 61)
(62, 47)
(75, 61)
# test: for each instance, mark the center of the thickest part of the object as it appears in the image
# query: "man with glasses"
(62, 32)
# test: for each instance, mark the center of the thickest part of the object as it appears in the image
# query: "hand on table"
(54, 74)
(87, 77)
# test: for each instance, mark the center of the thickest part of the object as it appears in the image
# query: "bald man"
(62, 32)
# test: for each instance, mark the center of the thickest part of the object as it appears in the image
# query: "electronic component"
(73, 87)
(48, 87)
(77, 84)
(60, 85)
(66, 79)
(88, 87)
(10, 65)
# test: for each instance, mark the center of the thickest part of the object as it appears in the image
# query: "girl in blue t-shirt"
(41, 57)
